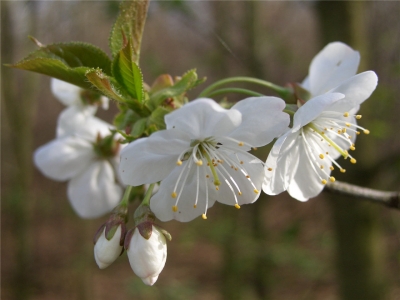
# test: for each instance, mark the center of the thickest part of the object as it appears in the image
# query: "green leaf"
(129, 26)
(157, 117)
(187, 82)
(105, 84)
(66, 61)
(128, 74)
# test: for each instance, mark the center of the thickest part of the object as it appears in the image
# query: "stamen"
(346, 114)
(343, 170)
(269, 169)
(332, 179)
(323, 181)
(237, 206)
(179, 162)
(331, 168)
(321, 156)
(353, 160)
(358, 117)
(174, 208)
(173, 194)
(204, 216)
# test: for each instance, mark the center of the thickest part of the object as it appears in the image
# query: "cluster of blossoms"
(202, 156)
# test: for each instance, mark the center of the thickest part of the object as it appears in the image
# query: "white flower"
(324, 128)
(147, 257)
(93, 187)
(107, 251)
(202, 156)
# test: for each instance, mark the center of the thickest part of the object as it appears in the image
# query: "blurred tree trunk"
(19, 108)
(359, 255)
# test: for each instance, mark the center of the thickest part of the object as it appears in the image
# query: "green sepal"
(111, 232)
(145, 229)
(188, 81)
(167, 235)
(139, 128)
(105, 84)
(127, 73)
(157, 117)
(129, 25)
(143, 214)
(66, 61)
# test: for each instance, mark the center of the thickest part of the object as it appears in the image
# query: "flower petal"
(250, 166)
(305, 182)
(356, 90)
(107, 251)
(313, 108)
(334, 64)
(73, 121)
(202, 118)
(94, 192)
(263, 120)
(151, 159)
(64, 158)
(280, 162)
(161, 203)
(68, 94)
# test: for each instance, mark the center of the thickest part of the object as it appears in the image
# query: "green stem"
(288, 111)
(283, 92)
(149, 192)
(125, 198)
(234, 90)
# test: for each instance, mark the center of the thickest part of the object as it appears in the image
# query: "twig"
(390, 199)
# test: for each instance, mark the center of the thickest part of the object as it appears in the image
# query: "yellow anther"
(173, 195)
(327, 153)
(236, 169)
(237, 206)
(352, 148)
(179, 162)
(174, 208)
(321, 156)
(240, 193)
(322, 132)
(346, 114)
(323, 181)
(358, 117)
(331, 168)
(241, 144)
(321, 166)
(357, 132)
(343, 170)
(247, 176)
(269, 169)
(339, 131)
(255, 148)
(256, 191)
(332, 179)
(207, 176)
(204, 216)
(366, 131)
(348, 124)
(344, 130)
(241, 162)
(353, 160)
(199, 163)
(195, 206)
(217, 188)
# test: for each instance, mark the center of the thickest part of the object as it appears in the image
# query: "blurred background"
(330, 247)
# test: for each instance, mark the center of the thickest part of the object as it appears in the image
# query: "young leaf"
(129, 24)
(127, 73)
(66, 61)
(105, 84)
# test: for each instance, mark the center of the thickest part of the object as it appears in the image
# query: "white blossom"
(107, 251)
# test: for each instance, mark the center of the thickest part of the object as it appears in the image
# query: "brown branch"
(389, 199)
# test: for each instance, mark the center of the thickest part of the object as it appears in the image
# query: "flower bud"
(106, 251)
(146, 256)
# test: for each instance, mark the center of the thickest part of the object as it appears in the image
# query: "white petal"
(262, 120)
(251, 166)
(282, 160)
(94, 192)
(147, 257)
(334, 64)
(73, 121)
(161, 203)
(67, 93)
(313, 108)
(356, 89)
(107, 251)
(151, 159)
(305, 182)
(62, 159)
(202, 118)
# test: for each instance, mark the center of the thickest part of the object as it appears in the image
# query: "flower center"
(212, 157)
(321, 133)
